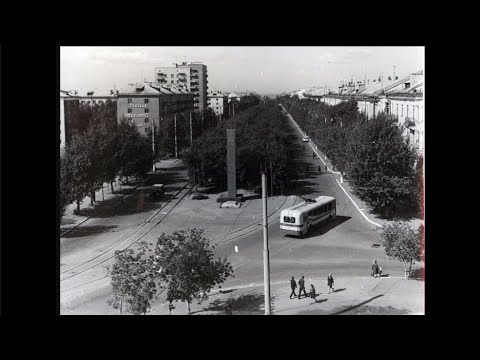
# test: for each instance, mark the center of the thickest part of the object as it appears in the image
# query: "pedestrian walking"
(319, 169)
(330, 283)
(313, 155)
(374, 267)
(326, 169)
(301, 285)
(312, 294)
(293, 285)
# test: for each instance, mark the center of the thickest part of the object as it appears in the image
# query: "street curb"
(333, 172)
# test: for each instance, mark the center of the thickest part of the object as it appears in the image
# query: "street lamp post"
(266, 263)
(153, 143)
(175, 125)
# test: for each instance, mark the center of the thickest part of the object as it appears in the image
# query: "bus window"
(289, 219)
(329, 206)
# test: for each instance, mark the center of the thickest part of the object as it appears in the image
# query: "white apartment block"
(190, 77)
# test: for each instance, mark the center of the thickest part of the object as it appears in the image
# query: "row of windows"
(130, 111)
(93, 101)
(130, 101)
(320, 210)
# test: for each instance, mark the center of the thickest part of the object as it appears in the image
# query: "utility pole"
(153, 143)
(271, 180)
(191, 136)
(175, 125)
(266, 264)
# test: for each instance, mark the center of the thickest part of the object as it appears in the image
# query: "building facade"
(191, 77)
(400, 98)
(146, 104)
(69, 116)
(95, 96)
(218, 102)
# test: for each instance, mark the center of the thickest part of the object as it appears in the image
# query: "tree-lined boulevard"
(344, 247)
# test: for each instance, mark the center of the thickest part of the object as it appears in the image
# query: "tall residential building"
(191, 77)
(69, 115)
(148, 103)
(218, 102)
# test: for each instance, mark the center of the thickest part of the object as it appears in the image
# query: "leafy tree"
(74, 176)
(133, 280)
(65, 191)
(187, 267)
(402, 243)
(134, 154)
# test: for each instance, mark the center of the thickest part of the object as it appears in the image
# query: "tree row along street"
(264, 137)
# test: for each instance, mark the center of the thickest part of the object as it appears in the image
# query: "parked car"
(199, 196)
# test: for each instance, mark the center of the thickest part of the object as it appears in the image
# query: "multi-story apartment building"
(69, 116)
(96, 96)
(218, 102)
(191, 77)
(400, 98)
(147, 103)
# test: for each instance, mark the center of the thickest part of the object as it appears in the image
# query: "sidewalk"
(343, 182)
(70, 220)
(352, 296)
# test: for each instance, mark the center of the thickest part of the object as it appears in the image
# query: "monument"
(231, 164)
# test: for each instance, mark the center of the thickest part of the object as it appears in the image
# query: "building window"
(171, 75)
(129, 101)
(146, 111)
(407, 110)
(146, 101)
(146, 120)
(402, 110)
(94, 101)
(172, 81)
(129, 111)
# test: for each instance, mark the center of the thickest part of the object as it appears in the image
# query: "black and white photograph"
(241, 180)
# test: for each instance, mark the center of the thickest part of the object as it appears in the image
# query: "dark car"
(199, 196)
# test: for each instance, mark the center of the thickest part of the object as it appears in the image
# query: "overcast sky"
(266, 70)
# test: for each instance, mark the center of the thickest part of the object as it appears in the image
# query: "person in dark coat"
(312, 294)
(330, 283)
(301, 285)
(374, 267)
(319, 169)
(293, 285)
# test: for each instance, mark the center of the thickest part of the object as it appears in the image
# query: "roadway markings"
(336, 172)
(353, 202)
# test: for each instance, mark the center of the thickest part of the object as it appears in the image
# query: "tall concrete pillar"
(231, 164)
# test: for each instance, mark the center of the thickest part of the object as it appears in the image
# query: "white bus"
(298, 219)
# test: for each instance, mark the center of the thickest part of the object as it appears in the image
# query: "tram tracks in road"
(115, 202)
(148, 221)
(256, 224)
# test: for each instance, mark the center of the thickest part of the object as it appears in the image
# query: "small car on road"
(306, 139)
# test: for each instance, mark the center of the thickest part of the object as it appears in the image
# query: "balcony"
(409, 122)
(182, 79)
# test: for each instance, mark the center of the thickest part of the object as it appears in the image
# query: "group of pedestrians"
(312, 294)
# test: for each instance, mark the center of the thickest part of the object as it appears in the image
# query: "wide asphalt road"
(343, 247)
